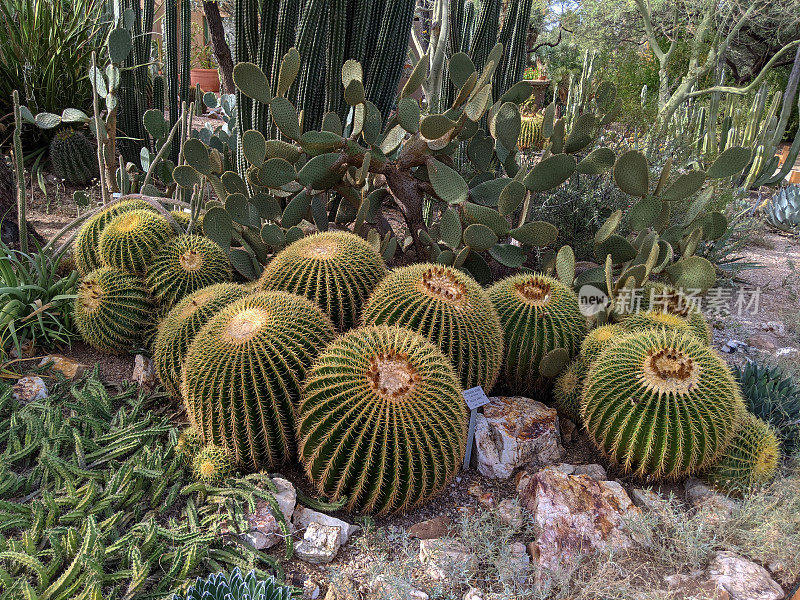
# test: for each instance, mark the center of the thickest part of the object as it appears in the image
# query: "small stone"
(431, 529)
(66, 366)
(144, 374)
(473, 594)
(418, 595)
(568, 429)
(320, 544)
(303, 517)
(286, 496)
(516, 566)
(774, 326)
(28, 389)
(565, 468)
(743, 579)
(26, 350)
(533, 550)
(444, 557)
(594, 471)
(257, 539)
(513, 432)
(510, 513)
(713, 506)
(648, 499)
(388, 588)
(764, 340)
(311, 590)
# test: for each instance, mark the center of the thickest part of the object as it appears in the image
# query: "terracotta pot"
(207, 78)
(542, 77)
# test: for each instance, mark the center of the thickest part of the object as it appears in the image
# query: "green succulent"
(131, 240)
(774, 397)
(189, 444)
(667, 299)
(530, 133)
(86, 248)
(73, 156)
(448, 307)
(567, 389)
(598, 338)
(242, 374)
(181, 324)
(656, 319)
(113, 310)
(782, 210)
(539, 315)
(382, 421)
(750, 460)
(221, 586)
(212, 464)
(336, 269)
(660, 403)
(184, 265)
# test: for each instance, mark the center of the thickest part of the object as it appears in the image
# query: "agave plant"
(221, 586)
(774, 397)
(783, 208)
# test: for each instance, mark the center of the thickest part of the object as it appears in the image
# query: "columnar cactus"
(131, 240)
(382, 421)
(113, 310)
(335, 269)
(74, 157)
(242, 375)
(448, 307)
(661, 403)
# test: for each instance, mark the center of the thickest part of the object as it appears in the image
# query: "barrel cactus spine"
(382, 420)
(600, 337)
(242, 375)
(211, 464)
(131, 240)
(664, 298)
(188, 444)
(567, 389)
(448, 307)
(74, 157)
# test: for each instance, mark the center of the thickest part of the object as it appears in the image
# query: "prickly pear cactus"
(74, 157)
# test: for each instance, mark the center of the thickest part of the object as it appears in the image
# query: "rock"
(144, 374)
(444, 558)
(311, 590)
(565, 468)
(575, 515)
(568, 430)
(286, 496)
(28, 389)
(265, 532)
(514, 432)
(774, 326)
(711, 504)
(485, 499)
(648, 500)
(387, 588)
(303, 517)
(694, 585)
(66, 366)
(594, 471)
(732, 345)
(515, 569)
(26, 350)
(742, 579)
(431, 529)
(764, 340)
(473, 594)
(510, 513)
(320, 544)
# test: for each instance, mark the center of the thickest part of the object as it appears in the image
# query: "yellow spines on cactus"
(189, 443)
(655, 319)
(212, 464)
(113, 310)
(182, 323)
(184, 265)
(661, 403)
(382, 420)
(336, 269)
(567, 389)
(600, 337)
(750, 460)
(530, 133)
(666, 299)
(538, 314)
(131, 240)
(242, 374)
(86, 248)
(448, 307)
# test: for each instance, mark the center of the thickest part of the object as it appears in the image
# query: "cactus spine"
(74, 157)
(131, 240)
(568, 387)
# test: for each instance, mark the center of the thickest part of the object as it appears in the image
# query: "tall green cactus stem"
(381, 421)
(514, 37)
(661, 403)
(19, 173)
(310, 43)
(264, 55)
(178, 329)
(335, 54)
(485, 37)
(448, 307)
(186, 50)
(170, 30)
(359, 15)
(246, 28)
(158, 93)
(243, 372)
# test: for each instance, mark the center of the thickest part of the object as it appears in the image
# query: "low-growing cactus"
(598, 338)
(660, 402)
(567, 389)
(74, 157)
(750, 460)
(181, 324)
(530, 133)
(382, 421)
(236, 586)
(131, 240)
(86, 248)
(242, 374)
(189, 444)
(336, 269)
(656, 319)
(539, 314)
(184, 265)
(211, 464)
(113, 310)
(448, 307)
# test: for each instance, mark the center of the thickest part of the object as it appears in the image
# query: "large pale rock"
(144, 374)
(575, 515)
(712, 505)
(303, 517)
(444, 558)
(320, 544)
(742, 579)
(513, 432)
(30, 388)
(66, 366)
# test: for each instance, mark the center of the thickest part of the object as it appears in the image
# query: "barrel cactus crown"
(211, 464)
(448, 307)
(538, 314)
(86, 248)
(660, 402)
(184, 265)
(335, 269)
(131, 240)
(113, 310)
(382, 421)
(242, 374)
(74, 157)
(600, 337)
(656, 319)
(567, 389)
(182, 323)
(750, 460)
(667, 299)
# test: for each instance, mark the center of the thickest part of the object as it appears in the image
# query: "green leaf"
(631, 173)
(511, 197)
(218, 226)
(408, 114)
(506, 125)
(731, 162)
(479, 237)
(319, 142)
(119, 45)
(550, 173)
(417, 77)
(276, 173)
(318, 173)
(450, 228)
(252, 82)
(186, 176)
(597, 162)
(195, 153)
(433, 127)
(446, 182)
(461, 67)
(508, 255)
(644, 213)
(272, 235)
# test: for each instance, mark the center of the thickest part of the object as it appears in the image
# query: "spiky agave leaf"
(242, 374)
(660, 402)
(184, 265)
(182, 323)
(774, 397)
(538, 314)
(750, 459)
(382, 421)
(131, 240)
(336, 269)
(113, 310)
(567, 389)
(598, 338)
(448, 307)
(86, 248)
(211, 464)
(237, 587)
